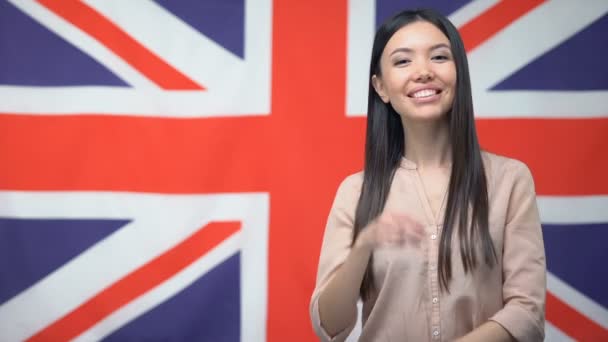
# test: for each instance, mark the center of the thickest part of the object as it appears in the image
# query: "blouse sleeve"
(524, 268)
(335, 248)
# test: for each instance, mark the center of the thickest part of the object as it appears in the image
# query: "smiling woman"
(439, 239)
(418, 74)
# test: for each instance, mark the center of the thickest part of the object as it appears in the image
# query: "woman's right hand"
(390, 230)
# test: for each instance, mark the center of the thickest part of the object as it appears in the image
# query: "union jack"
(168, 167)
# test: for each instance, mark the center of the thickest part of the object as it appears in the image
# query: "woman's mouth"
(425, 95)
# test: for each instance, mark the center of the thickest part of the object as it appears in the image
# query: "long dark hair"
(384, 148)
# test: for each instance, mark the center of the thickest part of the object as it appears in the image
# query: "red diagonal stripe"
(96, 25)
(572, 322)
(493, 20)
(137, 283)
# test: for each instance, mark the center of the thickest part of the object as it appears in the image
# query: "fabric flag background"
(167, 167)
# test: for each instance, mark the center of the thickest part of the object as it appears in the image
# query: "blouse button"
(435, 300)
(433, 237)
(436, 333)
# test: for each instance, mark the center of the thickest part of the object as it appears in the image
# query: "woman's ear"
(379, 87)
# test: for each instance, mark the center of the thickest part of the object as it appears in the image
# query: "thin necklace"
(435, 216)
(438, 213)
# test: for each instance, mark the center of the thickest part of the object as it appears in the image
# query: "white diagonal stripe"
(168, 37)
(530, 36)
(191, 52)
(553, 334)
(577, 300)
(85, 43)
(470, 11)
(164, 291)
(527, 38)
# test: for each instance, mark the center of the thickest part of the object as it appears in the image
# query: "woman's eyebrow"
(408, 50)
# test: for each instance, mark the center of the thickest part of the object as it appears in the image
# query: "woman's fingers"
(397, 230)
(392, 230)
(416, 232)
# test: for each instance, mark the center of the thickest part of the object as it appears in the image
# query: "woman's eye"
(402, 61)
(440, 58)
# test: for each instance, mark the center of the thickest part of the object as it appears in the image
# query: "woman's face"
(418, 73)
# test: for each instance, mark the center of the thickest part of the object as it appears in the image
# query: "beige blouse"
(408, 304)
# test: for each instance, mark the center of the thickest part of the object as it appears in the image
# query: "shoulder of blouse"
(499, 167)
(351, 185)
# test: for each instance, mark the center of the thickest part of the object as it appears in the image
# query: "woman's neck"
(428, 144)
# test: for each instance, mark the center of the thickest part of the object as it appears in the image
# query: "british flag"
(168, 166)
